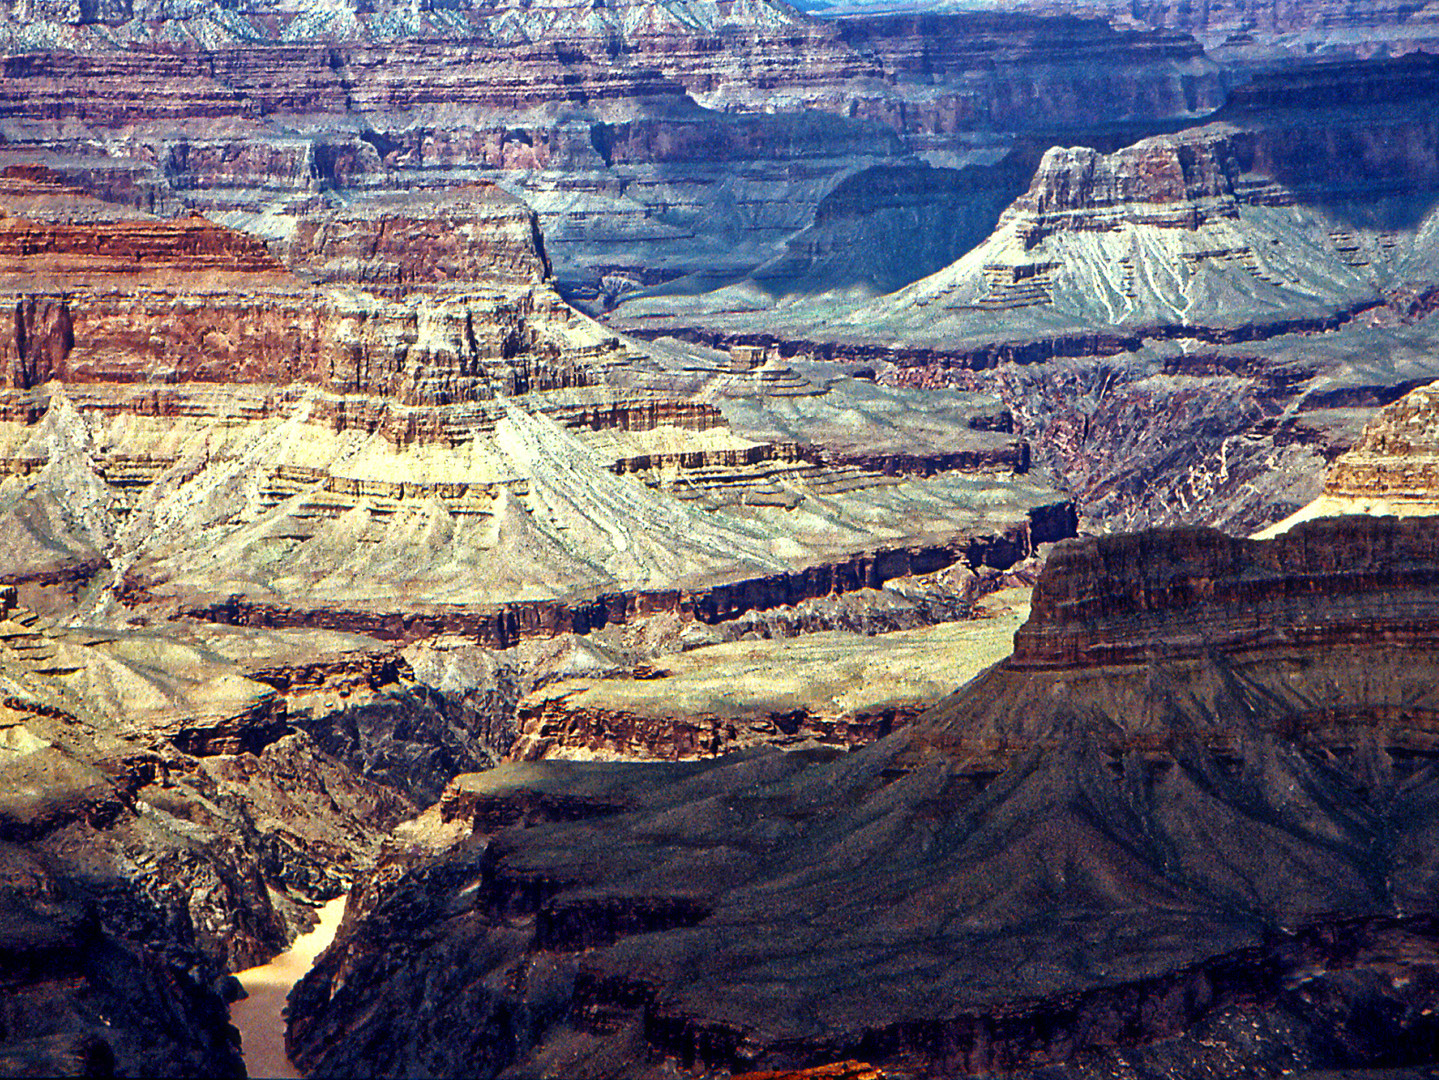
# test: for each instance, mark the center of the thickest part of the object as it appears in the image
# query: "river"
(261, 1016)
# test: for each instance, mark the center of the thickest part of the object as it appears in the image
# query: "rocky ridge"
(1168, 860)
(1387, 472)
(1185, 236)
(809, 686)
(431, 420)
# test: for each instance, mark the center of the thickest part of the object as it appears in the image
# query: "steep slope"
(1168, 234)
(654, 140)
(1181, 831)
(429, 439)
(160, 827)
(1165, 357)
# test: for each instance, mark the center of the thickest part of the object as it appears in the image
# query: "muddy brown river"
(261, 1016)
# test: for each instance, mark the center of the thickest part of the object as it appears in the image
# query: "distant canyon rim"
(840, 543)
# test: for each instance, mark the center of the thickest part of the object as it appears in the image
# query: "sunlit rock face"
(1395, 460)
(1391, 470)
(1188, 328)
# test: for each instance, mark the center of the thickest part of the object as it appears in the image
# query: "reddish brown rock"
(1326, 583)
(396, 242)
(186, 300)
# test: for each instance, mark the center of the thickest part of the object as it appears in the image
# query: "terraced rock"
(1192, 844)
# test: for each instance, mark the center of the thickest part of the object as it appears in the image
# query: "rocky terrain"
(821, 687)
(1237, 30)
(1273, 25)
(1180, 832)
(570, 478)
(161, 824)
(1188, 328)
(653, 141)
(265, 506)
(433, 422)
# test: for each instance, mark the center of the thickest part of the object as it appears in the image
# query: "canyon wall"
(679, 148)
(1323, 584)
(1133, 849)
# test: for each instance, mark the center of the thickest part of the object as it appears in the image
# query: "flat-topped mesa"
(105, 294)
(1171, 594)
(390, 242)
(1170, 181)
(1397, 459)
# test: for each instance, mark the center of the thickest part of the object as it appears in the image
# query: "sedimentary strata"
(156, 832)
(1131, 860)
(1395, 462)
(506, 625)
(805, 688)
(266, 114)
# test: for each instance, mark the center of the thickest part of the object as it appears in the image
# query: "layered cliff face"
(1395, 460)
(1266, 27)
(1181, 830)
(393, 242)
(654, 141)
(1389, 471)
(384, 421)
(431, 422)
(810, 686)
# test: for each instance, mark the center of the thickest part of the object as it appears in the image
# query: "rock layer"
(1171, 862)
(1395, 462)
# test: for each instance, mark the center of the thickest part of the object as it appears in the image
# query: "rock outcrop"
(1324, 584)
(158, 832)
(1168, 860)
(627, 130)
(1176, 325)
(1396, 463)
(431, 421)
(1182, 235)
(392, 242)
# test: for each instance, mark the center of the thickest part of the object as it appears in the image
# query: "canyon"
(1124, 847)
(721, 531)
